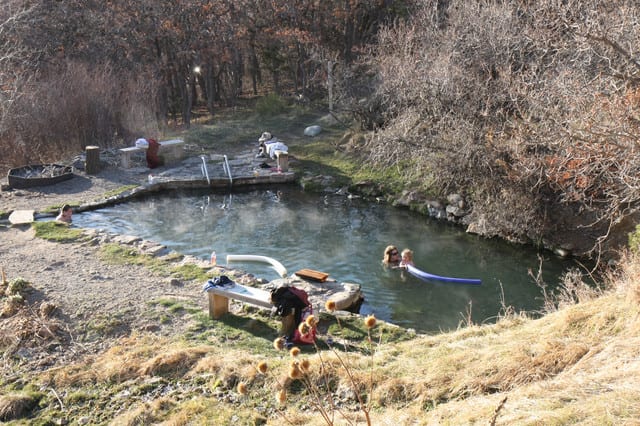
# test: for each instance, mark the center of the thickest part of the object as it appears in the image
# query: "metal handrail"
(203, 168)
(227, 168)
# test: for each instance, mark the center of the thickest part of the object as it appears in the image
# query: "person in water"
(65, 214)
(391, 256)
(406, 258)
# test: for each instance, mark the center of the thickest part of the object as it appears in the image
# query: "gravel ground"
(71, 286)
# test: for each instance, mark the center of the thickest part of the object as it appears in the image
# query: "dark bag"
(287, 299)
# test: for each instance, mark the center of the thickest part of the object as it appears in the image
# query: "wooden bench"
(219, 297)
(172, 151)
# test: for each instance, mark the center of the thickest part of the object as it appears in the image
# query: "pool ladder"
(225, 167)
(203, 169)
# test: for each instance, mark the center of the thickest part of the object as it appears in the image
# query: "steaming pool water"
(345, 238)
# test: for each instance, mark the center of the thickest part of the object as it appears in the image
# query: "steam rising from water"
(344, 238)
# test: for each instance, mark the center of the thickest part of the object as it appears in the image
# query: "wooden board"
(312, 275)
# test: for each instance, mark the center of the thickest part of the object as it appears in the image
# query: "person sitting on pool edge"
(391, 257)
(65, 214)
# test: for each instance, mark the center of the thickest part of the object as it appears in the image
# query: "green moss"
(352, 329)
(322, 157)
(56, 231)
(106, 325)
(118, 191)
(190, 272)
(120, 255)
(79, 396)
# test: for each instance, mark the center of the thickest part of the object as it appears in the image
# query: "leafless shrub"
(13, 72)
(542, 97)
(81, 106)
(572, 290)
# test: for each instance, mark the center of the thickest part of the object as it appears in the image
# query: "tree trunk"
(92, 163)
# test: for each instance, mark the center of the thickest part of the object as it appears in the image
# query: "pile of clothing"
(220, 282)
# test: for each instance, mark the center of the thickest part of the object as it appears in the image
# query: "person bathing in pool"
(391, 257)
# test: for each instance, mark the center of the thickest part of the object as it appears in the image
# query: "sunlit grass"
(56, 231)
(550, 369)
(118, 191)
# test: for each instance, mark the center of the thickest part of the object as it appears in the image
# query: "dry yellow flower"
(279, 343)
(242, 388)
(330, 305)
(311, 321)
(294, 372)
(294, 351)
(303, 328)
(370, 321)
(262, 367)
(305, 365)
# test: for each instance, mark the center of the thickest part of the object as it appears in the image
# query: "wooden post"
(218, 305)
(92, 163)
(282, 161)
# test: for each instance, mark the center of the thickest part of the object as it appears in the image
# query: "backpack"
(286, 299)
(292, 299)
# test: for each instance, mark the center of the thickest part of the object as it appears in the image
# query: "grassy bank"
(578, 365)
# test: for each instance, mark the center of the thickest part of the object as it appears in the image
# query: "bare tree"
(14, 75)
(538, 97)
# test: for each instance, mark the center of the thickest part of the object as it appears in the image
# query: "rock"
(455, 211)
(46, 309)
(21, 217)
(312, 131)
(456, 199)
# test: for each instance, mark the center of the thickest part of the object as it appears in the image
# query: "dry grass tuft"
(393, 391)
(626, 281)
(16, 406)
(530, 365)
(140, 415)
(174, 362)
(134, 356)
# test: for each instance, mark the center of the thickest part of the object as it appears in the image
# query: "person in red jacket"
(153, 147)
(153, 159)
